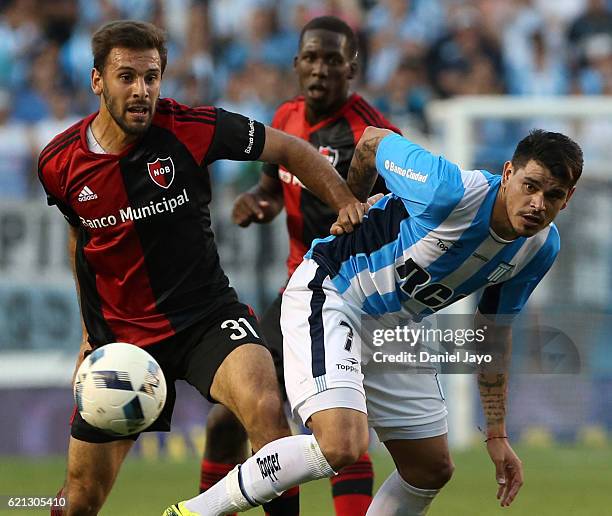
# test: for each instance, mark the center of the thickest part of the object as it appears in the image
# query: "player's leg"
(408, 412)
(226, 446)
(92, 470)
(287, 504)
(226, 439)
(423, 463)
(424, 466)
(231, 366)
(293, 460)
(352, 488)
(246, 383)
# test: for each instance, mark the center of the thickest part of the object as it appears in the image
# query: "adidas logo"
(87, 194)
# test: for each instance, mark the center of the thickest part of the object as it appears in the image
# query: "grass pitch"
(569, 481)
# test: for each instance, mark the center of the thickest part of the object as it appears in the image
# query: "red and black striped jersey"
(335, 137)
(146, 260)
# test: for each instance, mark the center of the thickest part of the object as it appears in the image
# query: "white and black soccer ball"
(120, 389)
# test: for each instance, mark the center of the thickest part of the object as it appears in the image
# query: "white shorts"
(322, 345)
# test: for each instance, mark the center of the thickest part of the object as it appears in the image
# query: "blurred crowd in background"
(238, 54)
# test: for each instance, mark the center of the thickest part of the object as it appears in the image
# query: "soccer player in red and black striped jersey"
(132, 182)
(332, 120)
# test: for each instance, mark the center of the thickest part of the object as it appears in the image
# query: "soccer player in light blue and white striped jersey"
(440, 235)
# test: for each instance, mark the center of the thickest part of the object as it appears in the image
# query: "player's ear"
(353, 68)
(507, 172)
(295, 61)
(96, 81)
(569, 196)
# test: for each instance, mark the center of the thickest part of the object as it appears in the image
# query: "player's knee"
(266, 422)
(83, 498)
(433, 475)
(343, 448)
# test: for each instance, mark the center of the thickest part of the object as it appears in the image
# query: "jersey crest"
(161, 171)
(330, 153)
(502, 272)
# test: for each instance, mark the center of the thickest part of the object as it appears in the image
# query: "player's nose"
(140, 89)
(319, 68)
(537, 201)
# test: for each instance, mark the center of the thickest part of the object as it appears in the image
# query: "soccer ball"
(120, 389)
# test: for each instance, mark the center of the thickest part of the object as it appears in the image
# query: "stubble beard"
(120, 121)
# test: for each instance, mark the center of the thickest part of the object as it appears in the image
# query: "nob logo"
(330, 153)
(161, 171)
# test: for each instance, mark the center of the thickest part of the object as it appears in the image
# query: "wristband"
(495, 437)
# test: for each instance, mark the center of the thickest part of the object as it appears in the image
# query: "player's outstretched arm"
(314, 171)
(260, 204)
(362, 170)
(493, 387)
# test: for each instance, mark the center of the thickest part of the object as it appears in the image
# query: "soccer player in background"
(497, 233)
(332, 119)
(132, 182)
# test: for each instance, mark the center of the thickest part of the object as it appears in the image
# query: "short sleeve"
(236, 138)
(509, 297)
(53, 194)
(427, 183)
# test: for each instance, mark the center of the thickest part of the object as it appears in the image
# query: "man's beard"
(127, 129)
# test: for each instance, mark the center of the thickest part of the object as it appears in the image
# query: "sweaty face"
(533, 197)
(129, 87)
(324, 67)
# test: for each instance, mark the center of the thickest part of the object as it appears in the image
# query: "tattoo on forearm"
(493, 397)
(362, 171)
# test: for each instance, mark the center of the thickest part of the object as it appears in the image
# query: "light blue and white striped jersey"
(429, 242)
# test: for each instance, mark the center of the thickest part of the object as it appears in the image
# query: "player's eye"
(556, 196)
(529, 188)
(125, 77)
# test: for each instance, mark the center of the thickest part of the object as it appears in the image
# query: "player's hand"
(508, 470)
(249, 207)
(349, 217)
(374, 199)
(352, 215)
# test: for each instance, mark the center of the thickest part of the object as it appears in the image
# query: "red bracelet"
(496, 437)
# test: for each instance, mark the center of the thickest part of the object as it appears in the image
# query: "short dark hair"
(332, 24)
(555, 151)
(132, 34)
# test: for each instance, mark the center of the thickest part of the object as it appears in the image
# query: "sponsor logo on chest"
(163, 206)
